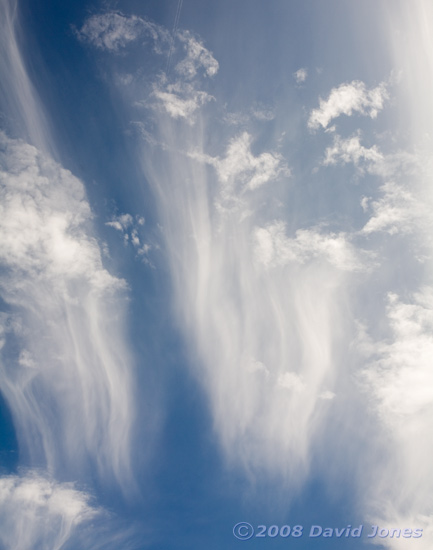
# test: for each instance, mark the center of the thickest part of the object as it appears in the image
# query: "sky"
(216, 281)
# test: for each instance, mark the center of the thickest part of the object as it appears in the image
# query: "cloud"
(239, 162)
(401, 377)
(113, 31)
(346, 99)
(36, 512)
(397, 379)
(239, 170)
(267, 305)
(39, 512)
(259, 112)
(259, 329)
(44, 216)
(273, 248)
(181, 100)
(130, 228)
(66, 318)
(122, 222)
(19, 101)
(197, 57)
(262, 113)
(350, 150)
(300, 75)
(397, 211)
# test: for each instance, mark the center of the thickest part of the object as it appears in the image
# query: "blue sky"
(216, 273)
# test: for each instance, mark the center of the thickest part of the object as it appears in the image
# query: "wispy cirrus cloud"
(347, 99)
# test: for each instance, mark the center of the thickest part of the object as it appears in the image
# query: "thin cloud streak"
(25, 114)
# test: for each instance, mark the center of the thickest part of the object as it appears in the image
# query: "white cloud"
(240, 170)
(273, 248)
(346, 99)
(44, 217)
(350, 150)
(197, 57)
(122, 222)
(181, 100)
(241, 163)
(132, 230)
(397, 211)
(398, 381)
(402, 377)
(300, 75)
(250, 328)
(36, 512)
(113, 31)
(68, 321)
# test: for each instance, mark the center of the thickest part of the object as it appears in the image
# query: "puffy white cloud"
(346, 99)
(44, 217)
